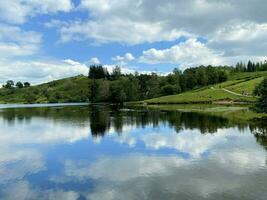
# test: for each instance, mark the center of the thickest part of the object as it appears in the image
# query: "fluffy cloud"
(123, 60)
(18, 11)
(234, 166)
(39, 71)
(193, 53)
(188, 53)
(25, 190)
(16, 42)
(158, 20)
(94, 61)
(234, 27)
(241, 38)
(16, 45)
(119, 30)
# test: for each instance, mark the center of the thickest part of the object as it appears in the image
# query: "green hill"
(238, 88)
(74, 89)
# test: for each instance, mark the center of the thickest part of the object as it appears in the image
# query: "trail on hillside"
(231, 92)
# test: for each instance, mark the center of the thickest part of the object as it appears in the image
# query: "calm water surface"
(99, 152)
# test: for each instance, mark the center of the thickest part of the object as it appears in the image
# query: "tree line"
(251, 66)
(10, 84)
(117, 87)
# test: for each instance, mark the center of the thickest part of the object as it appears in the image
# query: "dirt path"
(231, 92)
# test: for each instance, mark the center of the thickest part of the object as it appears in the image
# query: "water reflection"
(105, 152)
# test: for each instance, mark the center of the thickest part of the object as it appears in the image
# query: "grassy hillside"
(238, 88)
(74, 89)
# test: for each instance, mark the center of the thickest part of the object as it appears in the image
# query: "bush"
(170, 89)
(261, 91)
(30, 98)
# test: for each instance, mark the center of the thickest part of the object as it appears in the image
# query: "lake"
(107, 152)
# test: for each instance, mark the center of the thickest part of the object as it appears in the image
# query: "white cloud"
(18, 11)
(16, 42)
(192, 53)
(94, 61)
(188, 53)
(119, 30)
(234, 27)
(130, 167)
(31, 161)
(127, 69)
(25, 190)
(236, 157)
(39, 71)
(123, 60)
(241, 38)
(153, 19)
(49, 132)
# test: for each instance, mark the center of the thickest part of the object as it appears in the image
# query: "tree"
(98, 72)
(27, 84)
(117, 92)
(222, 76)
(9, 84)
(250, 66)
(116, 73)
(19, 84)
(261, 91)
(168, 90)
(93, 90)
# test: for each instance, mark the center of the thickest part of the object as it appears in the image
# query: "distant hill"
(74, 89)
(238, 88)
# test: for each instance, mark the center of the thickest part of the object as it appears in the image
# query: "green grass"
(238, 83)
(247, 86)
(203, 96)
(72, 89)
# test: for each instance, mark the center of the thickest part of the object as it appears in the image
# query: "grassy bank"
(239, 88)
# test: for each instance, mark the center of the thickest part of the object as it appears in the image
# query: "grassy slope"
(75, 89)
(72, 89)
(241, 82)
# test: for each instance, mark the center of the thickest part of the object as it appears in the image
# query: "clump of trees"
(261, 91)
(251, 66)
(117, 87)
(10, 84)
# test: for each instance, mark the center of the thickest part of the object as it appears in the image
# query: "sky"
(44, 40)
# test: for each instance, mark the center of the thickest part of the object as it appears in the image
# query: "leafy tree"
(116, 73)
(168, 90)
(27, 84)
(93, 90)
(222, 76)
(153, 86)
(19, 84)
(9, 84)
(261, 91)
(117, 92)
(103, 93)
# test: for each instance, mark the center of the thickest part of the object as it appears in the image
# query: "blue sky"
(46, 40)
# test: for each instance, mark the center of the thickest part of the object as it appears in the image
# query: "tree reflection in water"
(102, 118)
